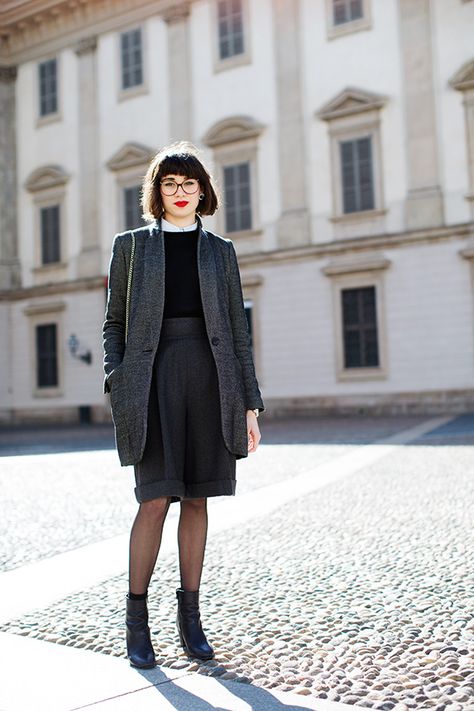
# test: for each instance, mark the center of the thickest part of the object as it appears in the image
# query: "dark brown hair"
(180, 158)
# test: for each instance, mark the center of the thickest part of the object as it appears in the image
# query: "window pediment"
(236, 128)
(464, 77)
(350, 101)
(49, 176)
(129, 156)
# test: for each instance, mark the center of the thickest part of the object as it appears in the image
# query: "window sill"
(361, 374)
(45, 268)
(48, 118)
(358, 216)
(132, 92)
(237, 60)
(347, 28)
(48, 392)
(240, 234)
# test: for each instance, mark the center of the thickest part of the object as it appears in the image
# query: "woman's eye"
(189, 183)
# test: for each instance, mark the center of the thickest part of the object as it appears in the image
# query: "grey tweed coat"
(128, 367)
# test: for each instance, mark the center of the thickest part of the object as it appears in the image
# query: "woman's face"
(183, 203)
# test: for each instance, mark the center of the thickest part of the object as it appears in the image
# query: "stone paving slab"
(40, 676)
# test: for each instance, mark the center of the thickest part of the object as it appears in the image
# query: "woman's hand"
(253, 431)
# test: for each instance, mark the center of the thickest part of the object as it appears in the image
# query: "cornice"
(62, 287)
(29, 28)
(359, 245)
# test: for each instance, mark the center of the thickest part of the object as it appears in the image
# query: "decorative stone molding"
(86, 45)
(176, 12)
(50, 176)
(235, 128)
(130, 156)
(362, 263)
(463, 81)
(44, 308)
(8, 73)
(464, 78)
(351, 101)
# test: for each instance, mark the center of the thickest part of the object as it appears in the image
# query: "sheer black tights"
(145, 542)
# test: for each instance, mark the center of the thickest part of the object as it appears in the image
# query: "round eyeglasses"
(169, 187)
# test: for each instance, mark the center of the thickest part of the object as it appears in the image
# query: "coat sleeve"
(241, 333)
(113, 328)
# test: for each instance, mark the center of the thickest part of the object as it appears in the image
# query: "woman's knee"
(194, 504)
(155, 508)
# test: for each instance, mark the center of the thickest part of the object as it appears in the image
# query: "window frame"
(357, 274)
(363, 23)
(136, 89)
(40, 314)
(42, 120)
(236, 60)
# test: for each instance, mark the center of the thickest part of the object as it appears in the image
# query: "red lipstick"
(181, 203)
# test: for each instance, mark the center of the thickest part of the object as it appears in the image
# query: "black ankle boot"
(188, 621)
(139, 648)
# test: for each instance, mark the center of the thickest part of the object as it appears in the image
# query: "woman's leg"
(145, 541)
(192, 534)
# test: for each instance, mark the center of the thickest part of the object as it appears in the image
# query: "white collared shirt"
(170, 227)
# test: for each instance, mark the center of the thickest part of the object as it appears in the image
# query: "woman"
(183, 391)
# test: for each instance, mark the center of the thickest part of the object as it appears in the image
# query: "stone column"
(89, 260)
(179, 63)
(424, 203)
(463, 81)
(10, 273)
(293, 226)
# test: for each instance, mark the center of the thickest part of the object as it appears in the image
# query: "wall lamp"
(74, 345)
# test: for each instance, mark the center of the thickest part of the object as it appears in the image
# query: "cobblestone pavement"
(65, 498)
(362, 591)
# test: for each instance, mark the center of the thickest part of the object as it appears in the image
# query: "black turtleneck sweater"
(182, 293)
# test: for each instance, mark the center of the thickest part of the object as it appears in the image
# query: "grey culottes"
(185, 455)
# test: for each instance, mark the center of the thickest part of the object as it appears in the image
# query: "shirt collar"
(170, 227)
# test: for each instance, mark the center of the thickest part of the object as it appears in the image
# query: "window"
(238, 209)
(357, 174)
(46, 356)
(354, 130)
(346, 11)
(360, 345)
(359, 320)
(344, 17)
(131, 58)
(50, 235)
(230, 28)
(132, 207)
(48, 87)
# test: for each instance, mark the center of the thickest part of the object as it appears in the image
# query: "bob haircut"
(181, 158)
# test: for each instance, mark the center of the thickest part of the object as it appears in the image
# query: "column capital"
(86, 45)
(8, 73)
(178, 11)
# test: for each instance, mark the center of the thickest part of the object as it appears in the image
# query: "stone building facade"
(342, 137)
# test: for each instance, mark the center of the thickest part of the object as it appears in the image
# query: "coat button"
(214, 340)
